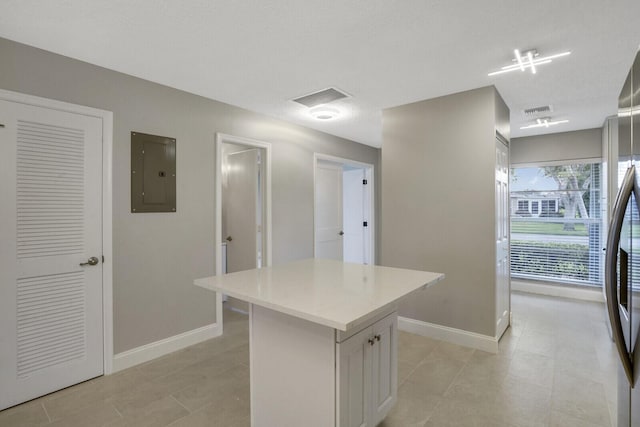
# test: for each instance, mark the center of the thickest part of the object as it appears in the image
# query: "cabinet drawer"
(341, 336)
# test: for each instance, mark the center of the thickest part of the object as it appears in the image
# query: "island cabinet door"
(384, 368)
(367, 374)
(354, 379)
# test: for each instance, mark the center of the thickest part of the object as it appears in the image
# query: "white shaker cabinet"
(367, 374)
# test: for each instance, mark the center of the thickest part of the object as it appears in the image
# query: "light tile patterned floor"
(556, 368)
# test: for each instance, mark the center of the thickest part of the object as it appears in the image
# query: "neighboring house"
(534, 204)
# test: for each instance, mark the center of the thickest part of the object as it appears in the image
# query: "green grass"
(553, 228)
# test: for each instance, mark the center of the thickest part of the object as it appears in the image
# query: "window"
(523, 206)
(549, 206)
(560, 237)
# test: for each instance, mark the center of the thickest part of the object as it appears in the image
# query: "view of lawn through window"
(556, 226)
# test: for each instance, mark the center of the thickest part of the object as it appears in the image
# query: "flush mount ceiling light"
(323, 112)
(528, 60)
(544, 122)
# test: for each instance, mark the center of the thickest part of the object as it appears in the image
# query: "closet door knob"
(91, 261)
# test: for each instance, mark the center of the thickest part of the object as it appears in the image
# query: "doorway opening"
(243, 209)
(344, 227)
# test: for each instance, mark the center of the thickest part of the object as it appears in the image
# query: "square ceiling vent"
(322, 97)
(543, 109)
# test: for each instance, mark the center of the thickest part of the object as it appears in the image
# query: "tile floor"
(556, 367)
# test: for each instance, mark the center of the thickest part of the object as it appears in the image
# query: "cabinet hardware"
(371, 341)
(377, 337)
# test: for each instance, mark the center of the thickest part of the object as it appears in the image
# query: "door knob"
(91, 261)
(341, 233)
(228, 239)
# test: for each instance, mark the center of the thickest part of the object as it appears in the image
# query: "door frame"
(107, 204)
(370, 177)
(222, 138)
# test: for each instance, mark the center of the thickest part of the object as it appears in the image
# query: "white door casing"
(240, 209)
(328, 211)
(267, 244)
(51, 327)
(358, 207)
(503, 267)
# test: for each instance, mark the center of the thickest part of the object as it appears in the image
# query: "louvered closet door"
(51, 332)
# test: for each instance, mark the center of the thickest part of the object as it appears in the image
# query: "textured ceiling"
(259, 54)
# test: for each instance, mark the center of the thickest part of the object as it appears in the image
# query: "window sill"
(584, 293)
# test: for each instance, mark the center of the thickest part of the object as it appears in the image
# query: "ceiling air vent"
(322, 97)
(545, 109)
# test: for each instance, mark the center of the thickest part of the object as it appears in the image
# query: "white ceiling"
(259, 54)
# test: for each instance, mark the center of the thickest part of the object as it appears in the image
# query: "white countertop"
(331, 293)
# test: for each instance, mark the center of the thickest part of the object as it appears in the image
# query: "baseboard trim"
(452, 335)
(150, 351)
(594, 295)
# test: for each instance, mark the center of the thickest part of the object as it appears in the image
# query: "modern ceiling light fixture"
(528, 60)
(324, 112)
(316, 103)
(544, 122)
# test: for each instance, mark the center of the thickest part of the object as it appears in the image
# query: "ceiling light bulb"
(533, 67)
(527, 65)
(519, 59)
(544, 123)
(322, 112)
(558, 55)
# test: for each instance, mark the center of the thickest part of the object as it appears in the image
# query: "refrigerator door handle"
(611, 279)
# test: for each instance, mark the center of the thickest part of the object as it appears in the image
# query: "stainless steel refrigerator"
(622, 274)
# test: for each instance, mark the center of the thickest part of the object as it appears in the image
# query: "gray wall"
(438, 205)
(157, 256)
(576, 145)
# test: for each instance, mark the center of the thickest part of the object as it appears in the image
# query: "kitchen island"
(323, 339)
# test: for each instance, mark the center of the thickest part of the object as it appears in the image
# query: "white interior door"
(328, 211)
(51, 330)
(353, 215)
(240, 210)
(503, 273)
